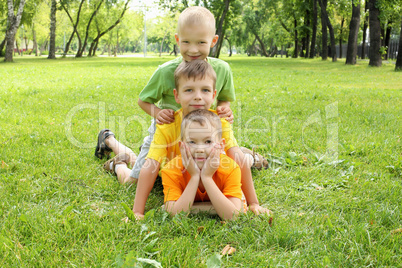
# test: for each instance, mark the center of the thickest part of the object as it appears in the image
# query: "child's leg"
(139, 163)
(247, 180)
(119, 148)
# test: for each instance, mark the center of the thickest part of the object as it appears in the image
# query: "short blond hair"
(196, 15)
(204, 118)
(195, 69)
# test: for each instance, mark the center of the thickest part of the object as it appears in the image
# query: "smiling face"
(201, 139)
(195, 93)
(195, 42)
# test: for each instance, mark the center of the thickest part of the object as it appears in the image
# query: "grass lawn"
(333, 133)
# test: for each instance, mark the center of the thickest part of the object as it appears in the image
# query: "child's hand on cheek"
(211, 165)
(188, 160)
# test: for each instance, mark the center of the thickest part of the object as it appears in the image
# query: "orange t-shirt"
(175, 179)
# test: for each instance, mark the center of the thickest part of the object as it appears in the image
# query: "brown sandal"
(123, 158)
(101, 148)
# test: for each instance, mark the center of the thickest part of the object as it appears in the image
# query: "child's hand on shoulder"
(165, 116)
(211, 165)
(188, 160)
(225, 112)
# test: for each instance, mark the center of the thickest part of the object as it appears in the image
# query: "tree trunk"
(353, 33)
(387, 38)
(398, 65)
(307, 44)
(263, 50)
(18, 49)
(323, 6)
(35, 44)
(324, 13)
(375, 34)
(2, 44)
(365, 26)
(81, 50)
(75, 25)
(13, 22)
(314, 36)
(296, 51)
(340, 37)
(163, 40)
(230, 47)
(174, 50)
(219, 30)
(52, 47)
(220, 42)
(100, 34)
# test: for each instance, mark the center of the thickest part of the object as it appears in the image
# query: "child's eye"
(206, 90)
(188, 90)
(191, 142)
(208, 141)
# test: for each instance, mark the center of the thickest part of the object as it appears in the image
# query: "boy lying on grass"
(195, 90)
(202, 173)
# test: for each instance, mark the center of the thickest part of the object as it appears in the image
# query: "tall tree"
(75, 25)
(220, 30)
(398, 65)
(324, 30)
(375, 34)
(365, 26)
(80, 50)
(353, 33)
(52, 42)
(13, 22)
(314, 34)
(95, 42)
(253, 19)
(324, 13)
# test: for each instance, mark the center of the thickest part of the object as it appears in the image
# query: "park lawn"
(332, 133)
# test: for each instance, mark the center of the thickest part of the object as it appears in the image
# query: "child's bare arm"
(226, 207)
(162, 116)
(186, 200)
(146, 181)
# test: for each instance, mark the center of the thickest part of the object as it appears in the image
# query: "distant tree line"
(294, 28)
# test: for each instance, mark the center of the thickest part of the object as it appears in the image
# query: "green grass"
(334, 206)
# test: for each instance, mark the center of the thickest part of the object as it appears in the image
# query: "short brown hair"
(196, 15)
(203, 117)
(194, 69)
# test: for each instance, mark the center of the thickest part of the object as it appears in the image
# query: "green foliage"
(58, 207)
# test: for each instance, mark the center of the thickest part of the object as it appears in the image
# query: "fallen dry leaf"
(126, 219)
(200, 229)
(396, 231)
(225, 250)
(231, 251)
(3, 164)
(228, 250)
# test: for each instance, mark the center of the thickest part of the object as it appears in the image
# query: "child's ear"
(214, 40)
(214, 94)
(176, 96)
(176, 36)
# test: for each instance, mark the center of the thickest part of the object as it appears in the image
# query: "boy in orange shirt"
(202, 173)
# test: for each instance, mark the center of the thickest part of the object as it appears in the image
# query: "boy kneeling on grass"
(202, 173)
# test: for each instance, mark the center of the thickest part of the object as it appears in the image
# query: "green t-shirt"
(159, 89)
